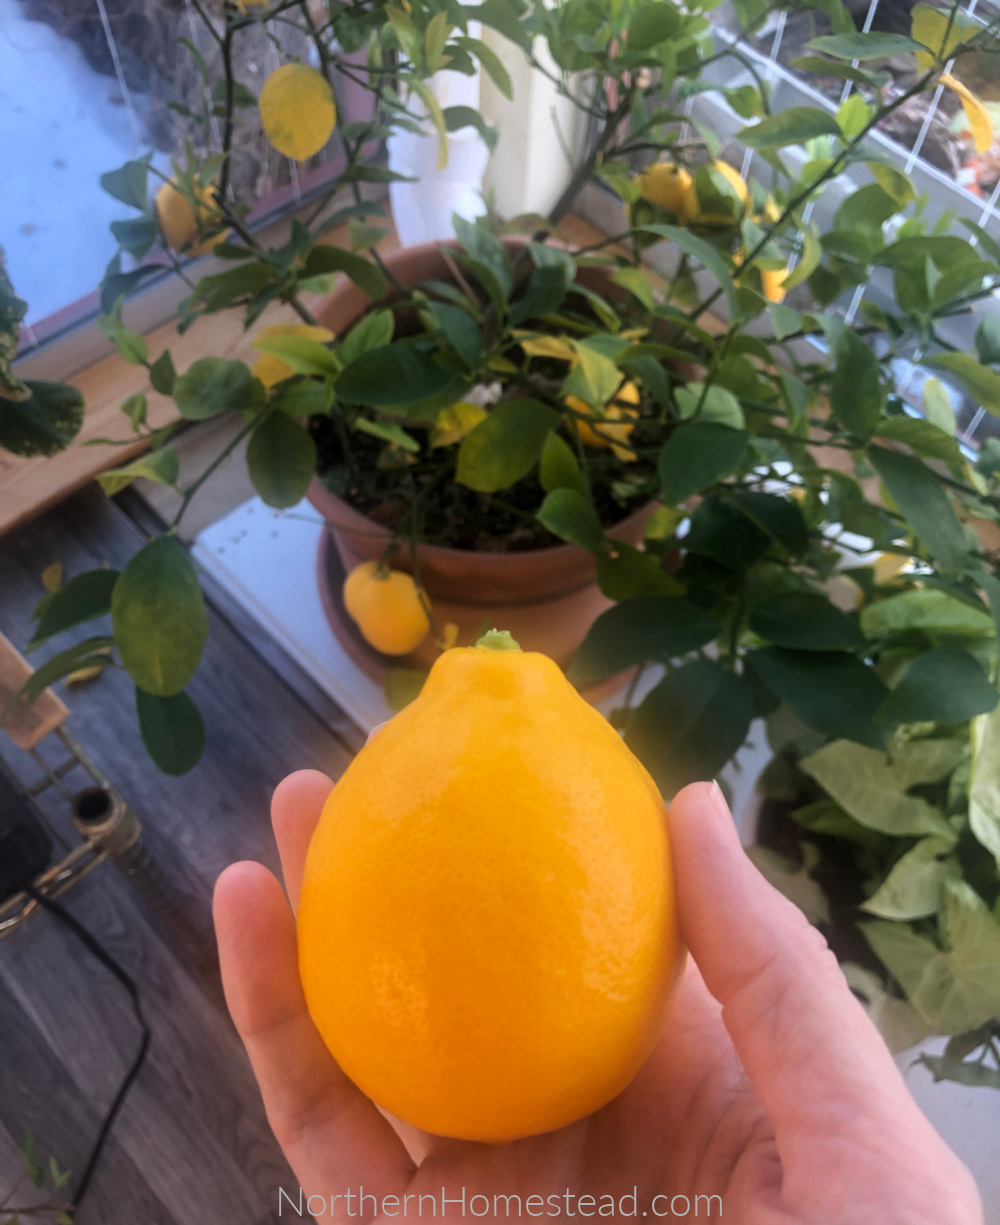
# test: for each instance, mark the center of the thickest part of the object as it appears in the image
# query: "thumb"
(806, 1043)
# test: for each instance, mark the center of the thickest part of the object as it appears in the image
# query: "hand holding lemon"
(717, 1110)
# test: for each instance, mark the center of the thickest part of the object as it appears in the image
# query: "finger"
(805, 1041)
(332, 1135)
(296, 807)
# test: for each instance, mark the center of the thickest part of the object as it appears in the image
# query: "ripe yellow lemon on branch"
(613, 425)
(487, 931)
(387, 607)
(666, 185)
(178, 222)
(699, 214)
(297, 111)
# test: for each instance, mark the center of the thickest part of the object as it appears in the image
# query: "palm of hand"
(808, 1123)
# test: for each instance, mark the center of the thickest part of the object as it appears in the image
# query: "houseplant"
(764, 462)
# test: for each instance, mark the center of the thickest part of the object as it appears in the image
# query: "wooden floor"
(192, 1145)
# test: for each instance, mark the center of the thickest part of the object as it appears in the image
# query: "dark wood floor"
(192, 1145)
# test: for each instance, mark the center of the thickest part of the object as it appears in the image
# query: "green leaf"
(916, 762)
(984, 782)
(844, 72)
(972, 1073)
(779, 517)
(486, 249)
(389, 432)
(867, 786)
(136, 235)
(871, 46)
(943, 685)
(785, 320)
(637, 283)
(91, 652)
(544, 295)
(161, 466)
(794, 881)
(365, 273)
(43, 424)
(625, 572)
(84, 598)
(647, 629)
(127, 183)
(402, 685)
(792, 126)
(831, 691)
(987, 341)
(924, 504)
(982, 383)
(130, 345)
(715, 405)
(855, 390)
(568, 515)
(594, 378)
(491, 62)
(372, 331)
(929, 609)
(461, 331)
(506, 446)
(281, 460)
(458, 117)
(696, 455)
(651, 25)
(720, 530)
(392, 376)
(303, 354)
(558, 467)
(805, 621)
(913, 887)
(690, 724)
(162, 374)
(306, 398)
(704, 253)
(172, 730)
(159, 619)
(211, 386)
(925, 439)
(954, 989)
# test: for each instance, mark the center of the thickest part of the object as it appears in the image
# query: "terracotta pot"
(547, 598)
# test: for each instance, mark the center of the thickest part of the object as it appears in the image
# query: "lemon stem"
(497, 640)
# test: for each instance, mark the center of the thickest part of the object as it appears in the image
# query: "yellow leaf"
(929, 26)
(297, 111)
(455, 421)
(546, 346)
(52, 576)
(271, 369)
(980, 120)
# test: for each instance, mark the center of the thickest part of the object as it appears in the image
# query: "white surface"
(62, 125)
(266, 559)
(422, 211)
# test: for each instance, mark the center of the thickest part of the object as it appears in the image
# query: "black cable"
(104, 957)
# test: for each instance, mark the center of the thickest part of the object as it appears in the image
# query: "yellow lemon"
(297, 110)
(270, 368)
(488, 936)
(692, 205)
(666, 185)
(771, 282)
(617, 423)
(387, 608)
(177, 220)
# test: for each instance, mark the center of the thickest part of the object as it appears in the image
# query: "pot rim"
(320, 497)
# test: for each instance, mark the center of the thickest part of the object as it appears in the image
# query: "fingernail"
(718, 797)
